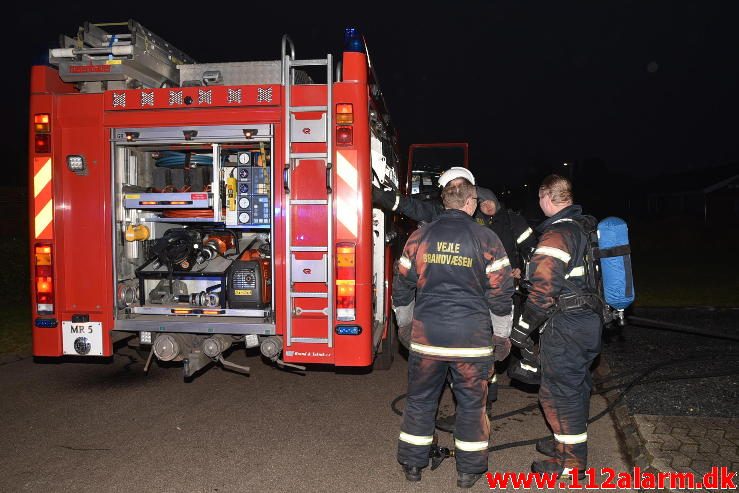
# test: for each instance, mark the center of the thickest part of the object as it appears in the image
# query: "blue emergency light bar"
(353, 41)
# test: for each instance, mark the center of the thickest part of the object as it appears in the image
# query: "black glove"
(525, 371)
(531, 319)
(385, 200)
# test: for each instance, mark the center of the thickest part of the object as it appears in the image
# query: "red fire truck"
(195, 207)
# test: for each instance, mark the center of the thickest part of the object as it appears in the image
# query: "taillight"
(44, 279)
(42, 138)
(346, 281)
(43, 143)
(344, 114)
(344, 135)
(344, 120)
(42, 123)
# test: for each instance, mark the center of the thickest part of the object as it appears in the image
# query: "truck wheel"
(389, 347)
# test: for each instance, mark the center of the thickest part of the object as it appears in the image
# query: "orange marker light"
(42, 123)
(344, 114)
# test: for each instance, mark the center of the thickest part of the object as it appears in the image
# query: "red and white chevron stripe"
(42, 199)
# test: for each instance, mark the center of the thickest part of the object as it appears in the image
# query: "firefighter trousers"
(426, 378)
(568, 345)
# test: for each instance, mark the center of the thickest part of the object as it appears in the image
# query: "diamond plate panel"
(205, 96)
(147, 99)
(175, 97)
(119, 99)
(234, 96)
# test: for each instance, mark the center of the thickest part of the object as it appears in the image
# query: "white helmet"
(453, 173)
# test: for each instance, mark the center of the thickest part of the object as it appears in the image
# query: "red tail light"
(346, 297)
(344, 120)
(43, 143)
(44, 279)
(344, 135)
(42, 127)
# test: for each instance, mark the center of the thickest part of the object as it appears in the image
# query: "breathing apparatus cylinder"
(615, 262)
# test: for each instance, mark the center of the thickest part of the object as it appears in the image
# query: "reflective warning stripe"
(572, 439)
(43, 219)
(347, 214)
(524, 235)
(470, 446)
(553, 252)
(43, 205)
(42, 177)
(532, 369)
(415, 439)
(494, 379)
(461, 352)
(497, 265)
(405, 262)
(563, 220)
(397, 202)
(522, 323)
(576, 272)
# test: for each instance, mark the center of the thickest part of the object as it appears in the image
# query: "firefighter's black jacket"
(458, 272)
(514, 232)
(557, 261)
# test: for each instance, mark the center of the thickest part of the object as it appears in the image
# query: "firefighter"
(513, 231)
(418, 210)
(452, 275)
(519, 241)
(566, 311)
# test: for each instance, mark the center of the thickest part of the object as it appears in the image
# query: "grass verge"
(15, 330)
(679, 263)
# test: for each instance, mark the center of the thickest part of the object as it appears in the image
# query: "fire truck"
(194, 208)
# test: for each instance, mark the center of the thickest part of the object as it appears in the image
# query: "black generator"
(249, 284)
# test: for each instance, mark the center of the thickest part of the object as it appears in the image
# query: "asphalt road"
(108, 427)
(694, 375)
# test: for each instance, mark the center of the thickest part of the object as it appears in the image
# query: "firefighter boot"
(466, 479)
(565, 460)
(412, 473)
(547, 446)
(557, 467)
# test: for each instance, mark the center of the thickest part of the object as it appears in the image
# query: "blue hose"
(174, 159)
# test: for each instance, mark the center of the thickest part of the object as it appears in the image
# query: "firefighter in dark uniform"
(452, 275)
(512, 230)
(567, 312)
(519, 242)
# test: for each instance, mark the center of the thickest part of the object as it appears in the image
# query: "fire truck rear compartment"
(193, 239)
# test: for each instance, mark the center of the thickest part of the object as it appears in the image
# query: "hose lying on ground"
(685, 329)
(639, 380)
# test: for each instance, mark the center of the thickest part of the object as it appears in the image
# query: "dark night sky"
(645, 86)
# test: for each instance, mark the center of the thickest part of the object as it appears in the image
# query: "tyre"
(388, 347)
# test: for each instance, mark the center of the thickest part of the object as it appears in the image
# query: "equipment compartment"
(193, 224)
